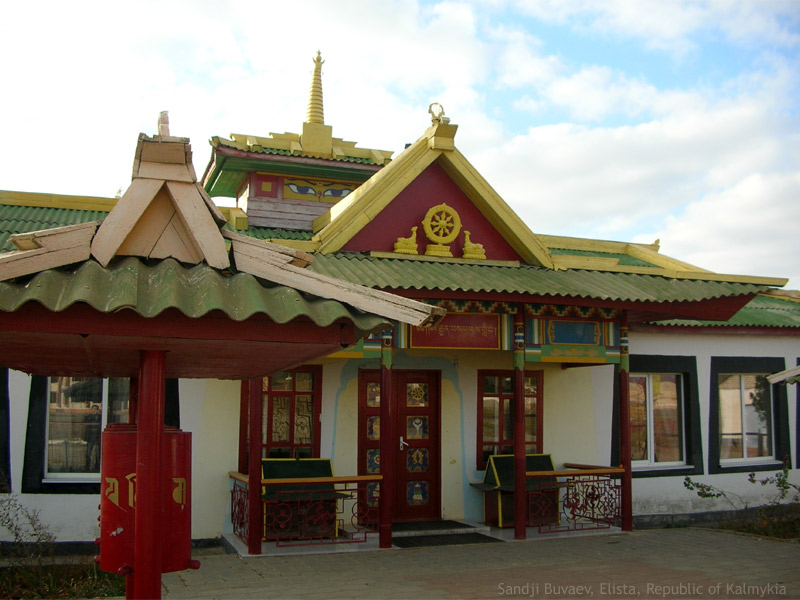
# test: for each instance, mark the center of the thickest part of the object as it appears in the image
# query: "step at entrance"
(439, 533)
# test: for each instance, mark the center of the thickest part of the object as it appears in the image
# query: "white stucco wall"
(209, 409)
(577, 413)
(70, 517)
(666, 495)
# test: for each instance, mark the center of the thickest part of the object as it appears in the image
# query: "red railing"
(315, 510)
(580, 497)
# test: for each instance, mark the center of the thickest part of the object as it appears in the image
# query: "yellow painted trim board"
(348, 217)
(35, 199)
(379, 184)
(495, 209)
(345, 219)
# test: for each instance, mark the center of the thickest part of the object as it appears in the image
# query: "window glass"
(280, 418)
(290, 413)
(638, 408)
(491, 419)
(656, 418)
(496, 414)
(78, 409)
(666, 411)
(745, 415)
(490, 384)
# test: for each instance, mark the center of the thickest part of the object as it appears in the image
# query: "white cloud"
(750, 227)
(77, 96)
(674, 26)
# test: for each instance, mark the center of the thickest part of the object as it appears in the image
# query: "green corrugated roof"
(526, 279)
(24, 219)
(624, 259)
(761, 311)
(270, 233)
(423, 275)
(149, 289)
(280, 152)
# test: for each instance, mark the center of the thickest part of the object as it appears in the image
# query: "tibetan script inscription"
(460, 330)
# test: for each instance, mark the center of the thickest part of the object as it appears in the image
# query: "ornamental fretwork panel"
(309, 513)
(575, 503)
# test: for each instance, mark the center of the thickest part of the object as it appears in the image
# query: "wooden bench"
(498, 491)
(301, 510)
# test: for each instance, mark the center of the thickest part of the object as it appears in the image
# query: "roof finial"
(436, 111)
(163, 123)
(315, 113)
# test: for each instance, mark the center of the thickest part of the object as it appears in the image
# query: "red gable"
(432, 188)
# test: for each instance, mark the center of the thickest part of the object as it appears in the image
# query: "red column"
(387, 444)
(133, 400)
(147, 517)
(255, 510)
(625, 427)
(244, 406)
(520, 481)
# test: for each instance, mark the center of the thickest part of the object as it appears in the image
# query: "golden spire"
(315, 114)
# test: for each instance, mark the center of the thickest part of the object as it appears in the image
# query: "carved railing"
(580, 497)
(314, 510)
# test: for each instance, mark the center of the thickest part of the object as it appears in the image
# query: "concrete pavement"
(663, 563)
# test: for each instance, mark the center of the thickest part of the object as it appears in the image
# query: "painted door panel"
(416, 417)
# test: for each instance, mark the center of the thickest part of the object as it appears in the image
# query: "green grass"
(79, 580)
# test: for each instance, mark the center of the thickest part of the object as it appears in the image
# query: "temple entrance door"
(416, 417)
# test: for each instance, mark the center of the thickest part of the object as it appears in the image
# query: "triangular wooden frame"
(163, 217)
(334, 229)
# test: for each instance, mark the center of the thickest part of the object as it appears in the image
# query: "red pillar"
(387, 444)
(520, 481)
(133, 400)
(133, 413)
(147, 517)
(244, 406)
(625, 427)
(255, 510)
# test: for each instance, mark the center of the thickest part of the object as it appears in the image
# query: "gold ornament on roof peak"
(436, 111)
(315, 113)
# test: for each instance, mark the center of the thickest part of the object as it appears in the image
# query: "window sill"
(669, 467)
(665, 471)
(743, 466)
(60, 480)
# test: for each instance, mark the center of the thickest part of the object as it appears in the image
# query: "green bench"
(498, 491)
(303, 510)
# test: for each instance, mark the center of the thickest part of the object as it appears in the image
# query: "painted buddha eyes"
(307, 190)
(303, 190)
(333, 193)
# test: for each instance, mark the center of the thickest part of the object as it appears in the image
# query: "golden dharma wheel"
(442, 224)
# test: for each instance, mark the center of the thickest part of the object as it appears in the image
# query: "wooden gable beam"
(263, 260)
(47, 249)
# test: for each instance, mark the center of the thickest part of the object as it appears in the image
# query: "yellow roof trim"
(574, 243)
(57, 201)
(652, 256)
(790, 295)
(338, 226)
(346, 218)
(308, 246)
(665, 266)
(441, 259)
(526, 243)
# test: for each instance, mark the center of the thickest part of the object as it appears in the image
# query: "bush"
(780, 518)
(30, 568)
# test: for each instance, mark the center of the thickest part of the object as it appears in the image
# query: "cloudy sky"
(629, 120)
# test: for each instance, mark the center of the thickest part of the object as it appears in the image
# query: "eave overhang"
(227, 171)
